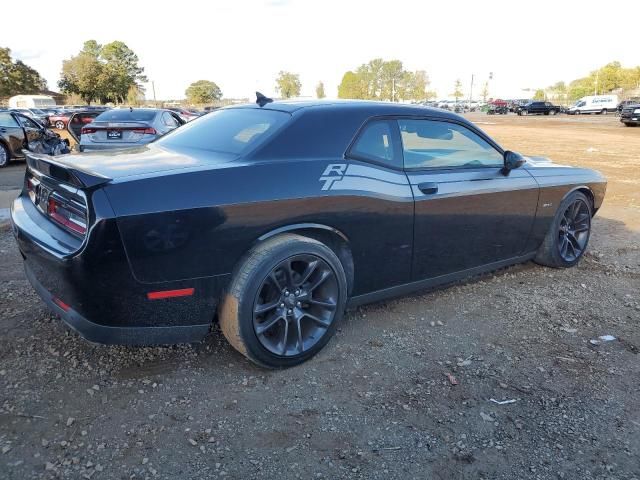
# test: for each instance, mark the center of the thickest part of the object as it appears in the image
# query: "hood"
(146, 160)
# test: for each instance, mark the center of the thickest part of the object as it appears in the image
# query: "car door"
(168, 122)
(467, 212)
(12, 133)
(32, 130)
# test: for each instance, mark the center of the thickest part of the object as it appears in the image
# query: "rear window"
(231, 131)
(125, 115)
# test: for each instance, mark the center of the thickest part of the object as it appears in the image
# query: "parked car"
(630, 115)
(19, 132)
(538, 108)
(602, 104)
(628, 102)
(33, 113)
(127, 127)
(498, 107)
(276, 216)
(186, 115)
(60, 119)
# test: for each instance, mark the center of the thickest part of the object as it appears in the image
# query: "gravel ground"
(407, 389)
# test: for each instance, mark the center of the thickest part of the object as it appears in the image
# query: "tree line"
(111, 73)
(612, 77)
(18, 78)
(385, 80)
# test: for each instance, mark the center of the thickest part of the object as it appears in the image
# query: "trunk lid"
(117, 132)
(94, 168)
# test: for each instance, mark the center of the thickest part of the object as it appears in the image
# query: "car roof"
(370, 106)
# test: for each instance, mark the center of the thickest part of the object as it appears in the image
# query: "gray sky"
(241, 45)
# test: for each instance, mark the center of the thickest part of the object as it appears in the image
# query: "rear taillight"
(86, 130)
(150, 131)
(67, 214)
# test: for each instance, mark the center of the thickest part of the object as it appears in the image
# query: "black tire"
(550, 252)
(239, 307)
(5, 155)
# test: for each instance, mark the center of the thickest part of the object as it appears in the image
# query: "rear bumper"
(106, 334)
(102, 300)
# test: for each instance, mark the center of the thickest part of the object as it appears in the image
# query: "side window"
(375, 143)
(433, 144)
(27, 122)
(168, 120)
(7, 120)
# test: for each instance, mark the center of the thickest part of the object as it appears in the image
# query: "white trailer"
(31, 101)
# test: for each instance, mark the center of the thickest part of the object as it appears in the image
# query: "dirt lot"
(378, 401)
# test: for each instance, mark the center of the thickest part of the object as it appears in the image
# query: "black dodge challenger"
(274, 217)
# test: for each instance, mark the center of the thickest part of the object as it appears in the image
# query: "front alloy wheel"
(573, 233)
(4, 156)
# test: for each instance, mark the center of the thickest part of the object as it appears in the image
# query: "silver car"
(127, 127)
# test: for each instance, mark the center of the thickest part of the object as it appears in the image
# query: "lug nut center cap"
(290, 300)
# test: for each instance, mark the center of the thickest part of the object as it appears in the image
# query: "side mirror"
(512, 160)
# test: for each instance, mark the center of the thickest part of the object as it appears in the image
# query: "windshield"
(126, 115)
(232, 131)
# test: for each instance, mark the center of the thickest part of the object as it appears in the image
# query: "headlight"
(636, 111)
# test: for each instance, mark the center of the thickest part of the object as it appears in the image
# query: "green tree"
(484, 93)
(384, 80)
(415, 86)
(203, 91)
(135, 96)
(288, 84)
(17, 77)
(320, 90)
(351, 86)
(539, 95)
(391, 78)
(104, 73)
(457, 90)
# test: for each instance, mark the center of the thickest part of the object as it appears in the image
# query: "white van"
(595, 104)
(31, 101)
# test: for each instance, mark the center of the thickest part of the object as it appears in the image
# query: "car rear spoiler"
(62, 171)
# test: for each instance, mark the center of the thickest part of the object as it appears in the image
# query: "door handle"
(3, 130)
(428, 187)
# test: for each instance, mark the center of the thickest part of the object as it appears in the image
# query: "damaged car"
(19, 133)
(272, 218)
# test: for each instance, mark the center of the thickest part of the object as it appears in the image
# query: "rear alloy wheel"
(59, 125)
(4, 156)
(295, 305)
(553, 112)
(568, 236)
(284, 302)
(604, 111)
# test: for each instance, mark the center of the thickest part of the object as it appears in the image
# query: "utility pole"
(471, 92)
(393, 89)
(153, 87)
(595, 90)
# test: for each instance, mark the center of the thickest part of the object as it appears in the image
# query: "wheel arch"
(9, 152)
(586, 190)
(330, 236)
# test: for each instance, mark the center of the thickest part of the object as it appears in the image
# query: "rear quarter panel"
(200, 224)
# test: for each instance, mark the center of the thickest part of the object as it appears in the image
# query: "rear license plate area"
(114, 134)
